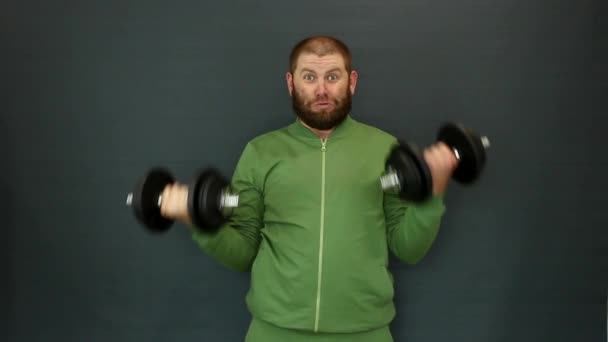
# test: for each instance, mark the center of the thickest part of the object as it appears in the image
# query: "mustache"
(324, 99)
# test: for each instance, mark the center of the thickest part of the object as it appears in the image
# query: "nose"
(321, 89)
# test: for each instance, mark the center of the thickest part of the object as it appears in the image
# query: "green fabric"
(314, 227)
(260, 331)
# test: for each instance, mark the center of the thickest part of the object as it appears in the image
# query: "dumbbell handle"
(390, 180)
(227, 200)
(129, 201)
(485, 142)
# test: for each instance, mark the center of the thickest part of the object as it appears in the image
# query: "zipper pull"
(323, 142)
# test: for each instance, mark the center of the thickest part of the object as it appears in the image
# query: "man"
(313, 224)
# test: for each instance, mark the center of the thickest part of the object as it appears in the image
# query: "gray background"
(96, 92)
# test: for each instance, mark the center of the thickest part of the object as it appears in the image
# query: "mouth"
(322, 104)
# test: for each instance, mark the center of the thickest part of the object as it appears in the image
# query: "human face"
(321, 90)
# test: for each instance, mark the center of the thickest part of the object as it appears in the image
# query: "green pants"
(260, 331)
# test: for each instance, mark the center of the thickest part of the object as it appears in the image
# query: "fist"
(442, 162)
(174, 203)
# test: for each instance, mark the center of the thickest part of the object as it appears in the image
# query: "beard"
(322, 119)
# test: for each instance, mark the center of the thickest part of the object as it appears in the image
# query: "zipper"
(322, 226)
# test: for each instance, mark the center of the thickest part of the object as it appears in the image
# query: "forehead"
(320, 63)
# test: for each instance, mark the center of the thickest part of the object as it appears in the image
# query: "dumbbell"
(209, 199)
(407, 173)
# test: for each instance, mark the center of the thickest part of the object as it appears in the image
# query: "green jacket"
(314, 227)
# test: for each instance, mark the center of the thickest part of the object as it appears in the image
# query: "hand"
(442, 162)
(174, 203)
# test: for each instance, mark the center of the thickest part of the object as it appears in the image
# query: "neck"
(323, 134)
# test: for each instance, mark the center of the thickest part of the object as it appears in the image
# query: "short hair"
(320, 46)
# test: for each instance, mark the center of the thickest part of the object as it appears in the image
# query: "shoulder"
(373, 132)
(266, 142)
(269, 137)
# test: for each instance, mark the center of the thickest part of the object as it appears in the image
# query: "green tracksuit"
(314, 227)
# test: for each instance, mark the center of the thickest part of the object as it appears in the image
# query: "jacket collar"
(343, 129)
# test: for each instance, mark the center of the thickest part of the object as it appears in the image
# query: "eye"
(309, 77)
(332, 77)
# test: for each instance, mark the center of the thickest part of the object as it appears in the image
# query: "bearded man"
(313, 225)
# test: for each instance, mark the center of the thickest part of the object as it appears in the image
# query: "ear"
(354, 76)
(289, 80)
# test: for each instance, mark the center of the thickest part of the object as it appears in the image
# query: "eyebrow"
(329, 71)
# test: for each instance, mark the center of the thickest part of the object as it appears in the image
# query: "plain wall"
(96, 92)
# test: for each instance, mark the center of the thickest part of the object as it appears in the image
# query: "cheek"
(303, 94)
(340, 91)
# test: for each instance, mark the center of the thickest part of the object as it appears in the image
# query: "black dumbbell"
(209, 200)
(408, 174)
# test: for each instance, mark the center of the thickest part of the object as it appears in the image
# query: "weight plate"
(470, 148)
(204, 200)
(145, 199)
(210, 195)
(414, 176)
(426, 179)
(193, 191)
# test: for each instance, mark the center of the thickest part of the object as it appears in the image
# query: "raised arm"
(235, 245)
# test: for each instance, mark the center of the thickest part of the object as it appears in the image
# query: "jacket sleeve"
(412, 227)
(235, 245)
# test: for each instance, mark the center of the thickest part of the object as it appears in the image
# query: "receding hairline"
(320, 46)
